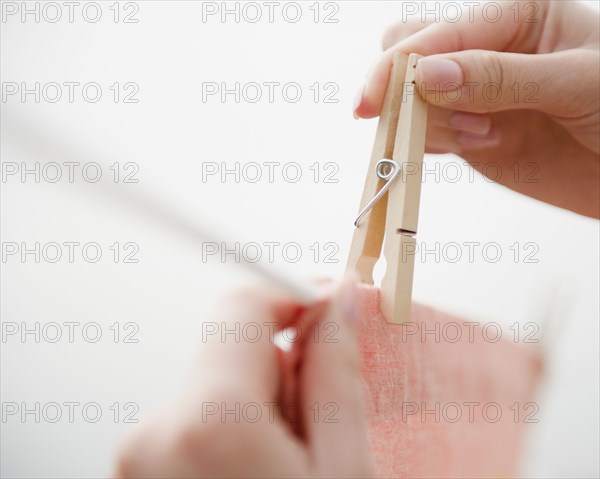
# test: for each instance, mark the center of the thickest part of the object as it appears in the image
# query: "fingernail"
(357, 101)
(349, 303)
(471, 123)
(471, 140)
(439, 74)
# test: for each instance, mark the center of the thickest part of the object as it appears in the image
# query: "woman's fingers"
(401, 30)
(210, 430)
(450, 131)
(237, 349)
(332, 395)
(561, 84)
(458, 120)
(373, 87)
(477, 28)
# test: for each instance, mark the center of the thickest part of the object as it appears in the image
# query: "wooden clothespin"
(390, 202)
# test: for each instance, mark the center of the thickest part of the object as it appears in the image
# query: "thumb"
(332, 393)
(481, 81)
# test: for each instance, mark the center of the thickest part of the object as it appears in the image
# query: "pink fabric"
(402, 372)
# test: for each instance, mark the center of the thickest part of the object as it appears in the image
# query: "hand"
(197, 437)
(522, 95)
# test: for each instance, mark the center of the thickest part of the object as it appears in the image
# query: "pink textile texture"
(433, 403)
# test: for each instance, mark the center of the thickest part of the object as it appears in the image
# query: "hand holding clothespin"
(390, 201)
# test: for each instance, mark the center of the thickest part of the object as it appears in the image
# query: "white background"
(169, 133)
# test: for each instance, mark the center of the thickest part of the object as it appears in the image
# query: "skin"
(552, 140)
(558, 134)
(178, 442)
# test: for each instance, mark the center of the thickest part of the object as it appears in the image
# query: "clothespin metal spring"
(388, 170)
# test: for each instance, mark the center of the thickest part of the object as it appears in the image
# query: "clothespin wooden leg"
(403, 202)
(368, 236)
